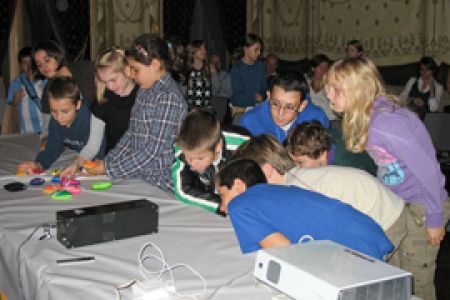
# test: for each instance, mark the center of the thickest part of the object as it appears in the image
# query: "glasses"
(276, 105)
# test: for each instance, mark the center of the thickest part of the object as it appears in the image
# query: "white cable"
(170, 286)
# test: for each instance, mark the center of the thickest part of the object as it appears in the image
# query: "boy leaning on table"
(265, 215)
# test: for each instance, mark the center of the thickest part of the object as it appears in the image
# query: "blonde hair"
(362, 84)
(113, 58)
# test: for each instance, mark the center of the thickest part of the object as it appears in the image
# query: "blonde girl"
(146, 149)
(401, 147)
(116, 94)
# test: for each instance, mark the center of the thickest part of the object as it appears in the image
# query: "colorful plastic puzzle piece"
(67, 181)
(74, 190)
(37, 181)
(89, 164)
(21, 174)
(55, 172)
(56, 179)
(101, 185)
(38, 171)
(62, 195)
(50, 189)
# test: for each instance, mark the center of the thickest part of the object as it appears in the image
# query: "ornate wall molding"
(119, 22)
(393, 32)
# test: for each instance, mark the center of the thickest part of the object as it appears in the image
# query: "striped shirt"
(146, 149)
(30, 117)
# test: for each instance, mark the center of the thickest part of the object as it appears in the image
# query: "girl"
(424, 92)
(71, 125)
(116, 93)
(50, 60)
(401, 147)
(146, 149)
(354, 49)
(248, 75)
(198, 77)
(320, 64)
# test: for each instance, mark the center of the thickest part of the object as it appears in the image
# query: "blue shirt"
(75, 137)
(264, 209)
(247, 81)
(30, 117)
(259, 120)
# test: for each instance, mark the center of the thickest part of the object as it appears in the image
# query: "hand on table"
(27, 167)
(99, 169)
(70, 171)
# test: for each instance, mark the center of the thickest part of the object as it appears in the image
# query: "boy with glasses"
(284, 108)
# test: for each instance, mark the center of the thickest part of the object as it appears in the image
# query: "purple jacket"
(401, 147)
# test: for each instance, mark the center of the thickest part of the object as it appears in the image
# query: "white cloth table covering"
(186, 235)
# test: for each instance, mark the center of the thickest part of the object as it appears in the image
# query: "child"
(401, 147)
(71, 125)
(248, 75)
(423, 93)
(116, 93)
(286, 107)
(25, 91)
(198, 77)
(146, 149)
(311, 145)
(355, 187)
(354, 49)
(203, 148)
(273, 215)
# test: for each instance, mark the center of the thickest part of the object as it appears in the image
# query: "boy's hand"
(258, 97)
(26, 167)
(18, 96)
(99, 169)
(435, 235)
(70, 171)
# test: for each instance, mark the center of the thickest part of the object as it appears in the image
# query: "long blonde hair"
(113, 58)
(362, 84)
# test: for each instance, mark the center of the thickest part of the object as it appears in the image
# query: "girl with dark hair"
(50, 60)
(146, 149)
(423, 93)
(248, 75)
(319, 65)
(198, 76)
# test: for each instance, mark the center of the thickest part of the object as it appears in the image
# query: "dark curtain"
(207, 26)
(7, 9)
(178, 17)
(65, 21)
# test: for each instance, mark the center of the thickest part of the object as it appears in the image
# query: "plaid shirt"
(146, 149)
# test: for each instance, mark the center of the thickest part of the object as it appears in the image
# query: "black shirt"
(115, 112)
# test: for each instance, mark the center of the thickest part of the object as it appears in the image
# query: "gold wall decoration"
(119, 22)
(392, 31)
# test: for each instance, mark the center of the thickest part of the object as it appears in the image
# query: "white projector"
(326, 270)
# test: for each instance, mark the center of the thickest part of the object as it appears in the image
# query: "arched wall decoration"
(393, 31)
(119, 22)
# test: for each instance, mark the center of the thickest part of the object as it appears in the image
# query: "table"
(186, 234)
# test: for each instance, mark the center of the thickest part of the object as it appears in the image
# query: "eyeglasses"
(276, 105)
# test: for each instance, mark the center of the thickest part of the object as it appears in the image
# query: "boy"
(311, 145)
(71, 125)
(266, 215)
(352, 186)
(25, 92)
(202, 149)
(286, 107)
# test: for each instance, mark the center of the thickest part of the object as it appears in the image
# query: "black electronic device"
(15, 186)
(97, 224)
